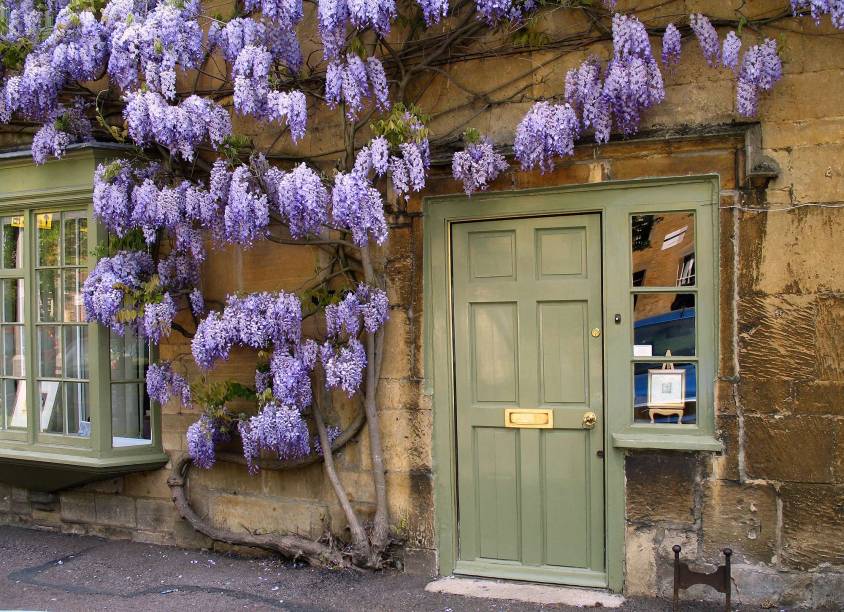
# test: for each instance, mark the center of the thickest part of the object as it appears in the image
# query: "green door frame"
(439, 213)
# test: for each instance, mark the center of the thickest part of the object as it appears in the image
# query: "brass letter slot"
(529, 418)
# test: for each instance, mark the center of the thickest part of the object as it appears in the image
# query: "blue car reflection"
(674, 331)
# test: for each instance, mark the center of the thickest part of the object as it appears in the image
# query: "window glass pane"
(75, 238)
(665, 393)
(13, 300)
(75, 351)
(129, 415)
(76, 400)
(128, 356)
(52, 417)
(663, 247)
(14, 361)
(74, 309)
(48, 296)
(49, 352)
(14, 403)
(663, 322)
(48, 239)
(12, 231)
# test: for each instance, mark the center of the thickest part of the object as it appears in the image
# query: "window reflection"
(663, 250)
(664, 324)
(665, 393)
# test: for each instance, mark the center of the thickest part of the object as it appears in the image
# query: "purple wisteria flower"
(202, 437)
(285, 13)
(291, 374)
(356, 206)
(585, 93)
(333, 15)
(300, 198)
(343, 365)
(494, 11)
(671, 45)
(169, 35)
(730, 51)
(197, 302)
(163, 383)
(819, 8)
(710, 45)
(366, 307)
(761, 68)
(633, 81)
(257, 321)
(67, 126)
(433, 10)
(546, 131)
(157, 319)
(276, 428)
(477, 166)
(247, 212)
(105, 288)
(355, 81)
(181, 128)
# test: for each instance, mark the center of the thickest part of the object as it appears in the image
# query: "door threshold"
(544, 594)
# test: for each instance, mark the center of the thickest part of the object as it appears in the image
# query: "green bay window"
(73, 406)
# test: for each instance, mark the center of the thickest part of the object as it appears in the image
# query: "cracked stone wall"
(776, 495)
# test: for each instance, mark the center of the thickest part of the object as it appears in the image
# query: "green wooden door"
(527, 319)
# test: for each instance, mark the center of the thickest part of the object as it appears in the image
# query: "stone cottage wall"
(776, 495)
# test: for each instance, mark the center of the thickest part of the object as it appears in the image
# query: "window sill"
(667, 441)
(51, 471)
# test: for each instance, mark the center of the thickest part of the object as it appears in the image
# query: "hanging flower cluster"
(68, 125)
(707, 37)
(163, 383)
(819, 8)
(343, 356)
(154, 43)
(242, 32)
(253, 95)
(180, 128)
(546, 131)
(671, 45)
(334, 15)
(477, 166)
(355, 81)
(494, 11)
(730, 50)
(110, 283)
(203, 436)
(276, 428)
(761, 67)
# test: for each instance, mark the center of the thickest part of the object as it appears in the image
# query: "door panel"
(526, 295)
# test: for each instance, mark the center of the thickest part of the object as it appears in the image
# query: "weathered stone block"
(5, 497)
(640, 561)
(147, 484)
(268, 515)
(661, 487)
(78, 507)
(725, 465)
(777, 338)
(789, 448)
(741, 517)
(812, 525)
(156, 515)
(397, 344)
(115, 510)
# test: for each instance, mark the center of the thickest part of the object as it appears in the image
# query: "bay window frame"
(60, 186)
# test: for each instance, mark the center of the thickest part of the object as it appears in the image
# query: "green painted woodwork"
(615, 202)
(527, 292)
(45, 461)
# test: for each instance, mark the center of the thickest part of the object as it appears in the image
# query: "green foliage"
(236, 145)
(471, 136)
(214, 396)
(14, 53)
(530, 36)
(403, 124)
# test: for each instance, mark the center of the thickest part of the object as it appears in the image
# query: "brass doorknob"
(589, 420)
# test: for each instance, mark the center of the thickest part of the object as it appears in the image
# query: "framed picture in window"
(667, 387)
